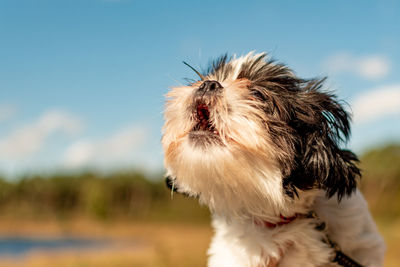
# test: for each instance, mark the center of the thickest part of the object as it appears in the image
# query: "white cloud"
(377, 103)
(6, 112)
(30, 138)
(372, 67)
(117, 148)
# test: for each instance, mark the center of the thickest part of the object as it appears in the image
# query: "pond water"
(17, 246)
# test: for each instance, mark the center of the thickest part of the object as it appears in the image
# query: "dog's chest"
(248, 244)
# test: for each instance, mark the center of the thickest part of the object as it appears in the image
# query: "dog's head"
(250, 134)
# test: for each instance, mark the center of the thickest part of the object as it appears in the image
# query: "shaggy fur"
(254, 142)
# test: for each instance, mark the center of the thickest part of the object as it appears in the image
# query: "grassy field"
(133, 244)
(139, 244)
(391, 233)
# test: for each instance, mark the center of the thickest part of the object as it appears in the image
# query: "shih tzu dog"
(262, 149)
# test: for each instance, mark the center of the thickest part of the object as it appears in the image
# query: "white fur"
(245, 244)
(352, 227)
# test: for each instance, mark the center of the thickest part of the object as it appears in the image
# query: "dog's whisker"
(175, 80)
(196, 71)
(173, 189)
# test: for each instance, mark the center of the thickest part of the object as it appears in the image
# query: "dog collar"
(284, 220)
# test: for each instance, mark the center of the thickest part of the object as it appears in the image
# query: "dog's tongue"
(203, 114)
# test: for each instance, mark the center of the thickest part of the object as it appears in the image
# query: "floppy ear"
(322, 125)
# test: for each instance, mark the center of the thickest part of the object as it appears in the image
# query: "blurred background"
(82, 86)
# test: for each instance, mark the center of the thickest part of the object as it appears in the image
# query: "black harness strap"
(340, 258)
(345, 260)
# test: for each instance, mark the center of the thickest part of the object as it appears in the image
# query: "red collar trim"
(284, 220)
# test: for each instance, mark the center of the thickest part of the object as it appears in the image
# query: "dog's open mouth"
(202, 114)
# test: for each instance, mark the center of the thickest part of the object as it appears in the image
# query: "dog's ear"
(322, 125)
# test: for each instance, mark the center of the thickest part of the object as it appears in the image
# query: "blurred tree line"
(380, 182)
(132, 195)
(120, 195)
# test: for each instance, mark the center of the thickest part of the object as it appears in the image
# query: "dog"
(261, 148)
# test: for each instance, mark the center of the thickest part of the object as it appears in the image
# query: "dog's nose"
(210, 86)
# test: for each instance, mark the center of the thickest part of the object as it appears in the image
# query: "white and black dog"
(261, 148)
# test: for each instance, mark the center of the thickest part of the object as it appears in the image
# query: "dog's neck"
(284, 220)
(299, 206)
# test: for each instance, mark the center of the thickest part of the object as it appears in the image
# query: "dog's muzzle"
(209, 86)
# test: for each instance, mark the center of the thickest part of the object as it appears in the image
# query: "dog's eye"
(258, 95)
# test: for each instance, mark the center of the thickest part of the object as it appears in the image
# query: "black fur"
(169, 182)
(307, 124)
(219, 67)
(171, 185)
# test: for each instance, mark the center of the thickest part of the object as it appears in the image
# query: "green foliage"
(121, 195)
(382, 163)
(381, 180)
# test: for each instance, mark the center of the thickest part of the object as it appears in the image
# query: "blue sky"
(82, 82)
